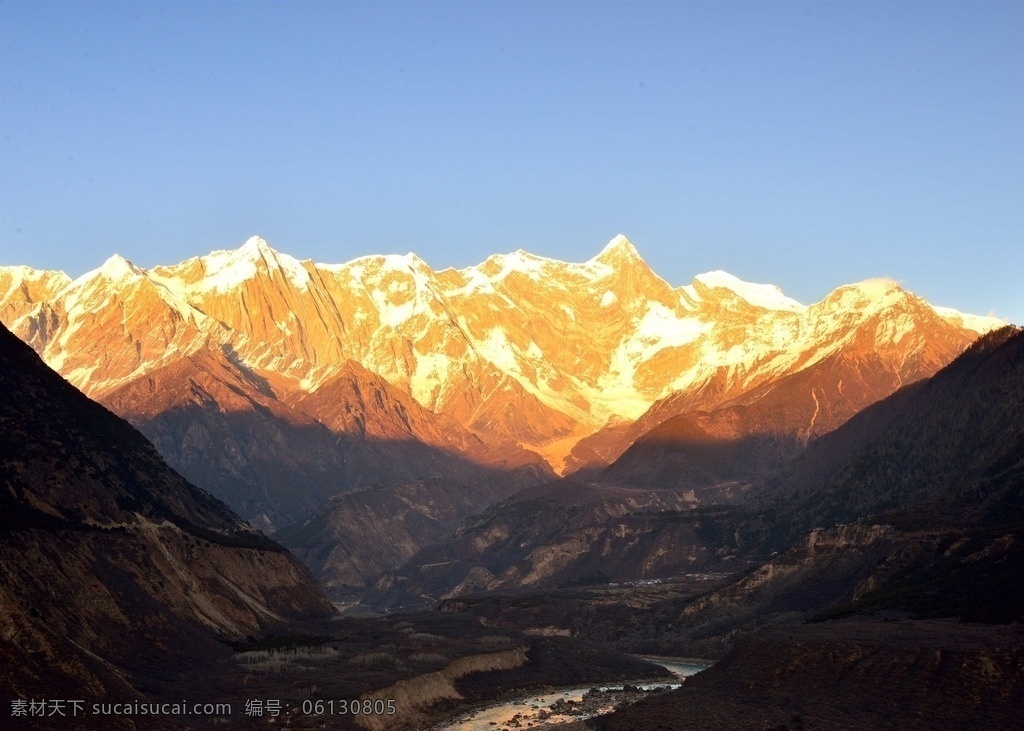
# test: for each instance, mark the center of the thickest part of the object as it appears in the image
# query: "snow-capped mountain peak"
(617, 252)
(116, 268)
(22, 283)
(226, 269)
(767, 296)
(980, 324)
(257, 246)
(876, 288)
(870, 294)
(499, 266)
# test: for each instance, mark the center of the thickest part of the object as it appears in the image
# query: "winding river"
(538, 712)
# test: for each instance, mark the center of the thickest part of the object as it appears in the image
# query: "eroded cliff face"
(827, 567)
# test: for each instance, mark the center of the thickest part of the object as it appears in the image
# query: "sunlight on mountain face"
(522, 348)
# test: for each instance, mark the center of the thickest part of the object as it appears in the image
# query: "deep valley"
(294, 487)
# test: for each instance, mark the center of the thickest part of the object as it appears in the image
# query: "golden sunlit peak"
(618, 249)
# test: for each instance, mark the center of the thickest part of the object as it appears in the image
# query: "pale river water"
(535, 713)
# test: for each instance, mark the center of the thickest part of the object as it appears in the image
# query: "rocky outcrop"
(830, 566)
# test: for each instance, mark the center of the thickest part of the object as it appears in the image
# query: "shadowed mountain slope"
(897, 340)
(116, 570)
(927, 487)
(275, 456)
(946, 452)
(916, 601)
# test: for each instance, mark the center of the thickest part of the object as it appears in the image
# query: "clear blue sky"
(807, 145)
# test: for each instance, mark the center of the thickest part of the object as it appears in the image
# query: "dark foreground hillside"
(856, 674)
(118, 576)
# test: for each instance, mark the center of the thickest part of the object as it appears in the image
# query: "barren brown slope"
(115, 569)
(222, 427)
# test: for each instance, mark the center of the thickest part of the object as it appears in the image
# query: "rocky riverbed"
(563, 709)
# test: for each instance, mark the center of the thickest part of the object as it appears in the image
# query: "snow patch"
(657, 329)
(431, 374)
(895, 329)
(400, 262)
(767, 296)
(476, 281)
(518, 261)
(498, 350)
(980, 324)
(608, 299)
(412, 285)
(661, 328)
(294, 271)
(876, 288)
(286, 326)
(392, 315)
(356, 272)
(225, 271)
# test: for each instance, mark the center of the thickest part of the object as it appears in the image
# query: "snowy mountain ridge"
(520, 346)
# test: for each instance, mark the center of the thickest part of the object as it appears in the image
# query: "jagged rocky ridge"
(522, 347)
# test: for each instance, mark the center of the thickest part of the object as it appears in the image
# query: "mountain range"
(810, 493)
(133, 600)
(278, 384)
(520, 347)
